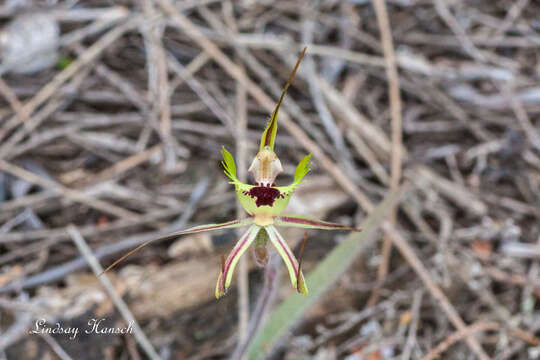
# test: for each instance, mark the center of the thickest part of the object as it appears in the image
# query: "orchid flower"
(264, 202)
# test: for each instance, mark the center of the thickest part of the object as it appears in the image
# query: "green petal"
(297, 277)
(225, 277)
(247, 202)
(302, 169)
(228, 164)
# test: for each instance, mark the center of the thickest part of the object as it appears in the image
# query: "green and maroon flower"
(264, 203)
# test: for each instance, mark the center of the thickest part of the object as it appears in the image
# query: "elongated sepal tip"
(301, 286)
(220, 287)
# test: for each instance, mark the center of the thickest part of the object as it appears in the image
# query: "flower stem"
(266, 297)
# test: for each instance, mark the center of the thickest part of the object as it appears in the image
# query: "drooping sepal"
(207, 227)
(295, 273)
(308, 223)
(225, 276)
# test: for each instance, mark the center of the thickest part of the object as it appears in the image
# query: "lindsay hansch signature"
(95, 326)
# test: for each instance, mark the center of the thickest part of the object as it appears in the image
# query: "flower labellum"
(260, 251)
(264, 202)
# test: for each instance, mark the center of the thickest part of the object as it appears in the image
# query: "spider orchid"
(264, 202)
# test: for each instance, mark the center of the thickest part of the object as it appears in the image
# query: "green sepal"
(225, 276)
(268, 137)
(295, 272)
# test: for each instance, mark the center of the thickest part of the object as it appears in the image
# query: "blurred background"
(112, 118)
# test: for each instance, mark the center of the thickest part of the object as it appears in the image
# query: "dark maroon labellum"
(265, 195)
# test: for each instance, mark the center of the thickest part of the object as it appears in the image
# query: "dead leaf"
(405, 318)
(482, 249)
